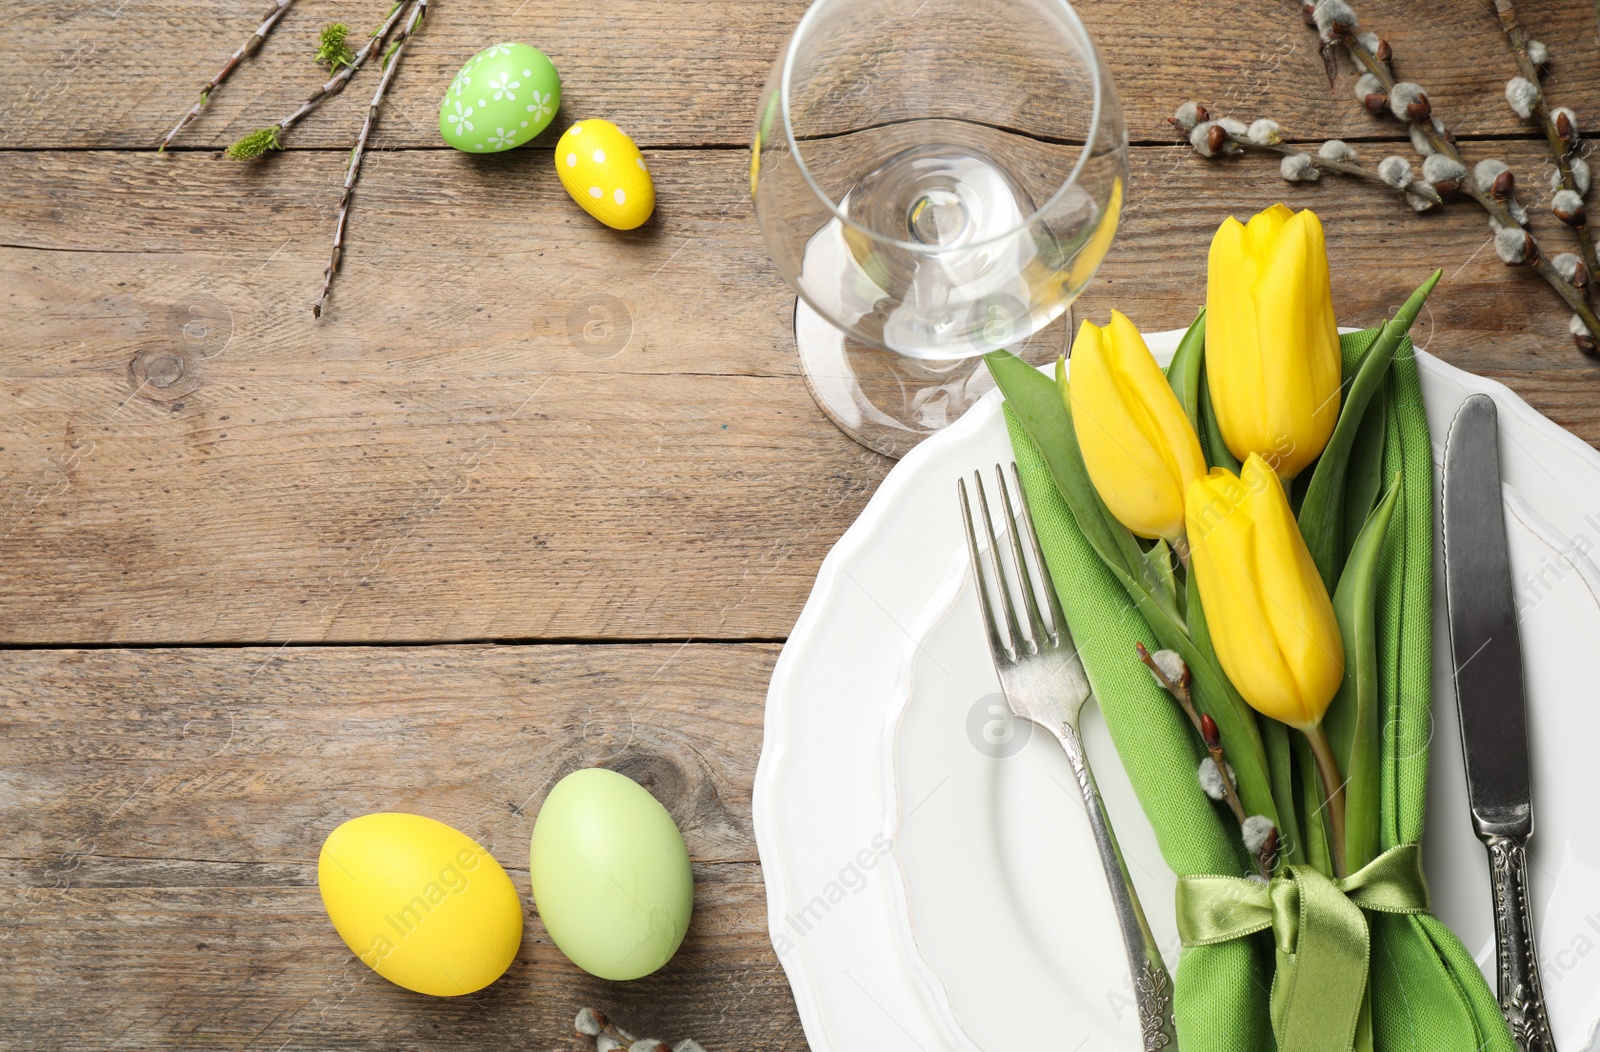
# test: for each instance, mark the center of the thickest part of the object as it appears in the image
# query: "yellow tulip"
(1138, 445)
(1270, 617)
(1272, 348)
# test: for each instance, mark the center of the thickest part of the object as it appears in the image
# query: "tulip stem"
(1180, 548)
(1332, 787)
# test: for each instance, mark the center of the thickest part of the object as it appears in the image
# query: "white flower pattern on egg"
(458, 117)
(539, 105)
(501, 98)
(505, 87)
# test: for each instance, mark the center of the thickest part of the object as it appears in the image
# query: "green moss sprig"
(333, 47)
(255, 144)
(261, 140)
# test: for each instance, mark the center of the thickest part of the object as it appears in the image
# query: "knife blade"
(1485, 644)
(1486, 657)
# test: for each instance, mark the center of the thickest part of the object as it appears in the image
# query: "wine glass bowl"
(936, 179)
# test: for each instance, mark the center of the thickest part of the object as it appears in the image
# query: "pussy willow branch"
(1180, 691)
(1559, 149)
(1443, 143)
(1323, 164)
(336, 83)
(609, 1037)
(247, 49)
(391, 63)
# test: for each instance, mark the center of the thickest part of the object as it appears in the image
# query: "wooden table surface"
(533, 496)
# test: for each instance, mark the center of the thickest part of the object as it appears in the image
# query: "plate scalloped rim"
(935, 1014)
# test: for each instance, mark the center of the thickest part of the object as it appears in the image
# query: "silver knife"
(1487, 658)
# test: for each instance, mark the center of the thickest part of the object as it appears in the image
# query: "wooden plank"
(448, 455)
(243, 757)
(163, 810)
(261, 968)
(688, 72)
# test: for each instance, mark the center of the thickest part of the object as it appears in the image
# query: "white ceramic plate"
(925, 894)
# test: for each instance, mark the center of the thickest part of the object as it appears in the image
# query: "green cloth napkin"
(1427, 992)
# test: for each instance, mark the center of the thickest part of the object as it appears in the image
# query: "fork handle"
(1152, 986)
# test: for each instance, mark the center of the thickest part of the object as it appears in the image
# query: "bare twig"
(391, 63)
(332, 86)
(1443, 142)
(248, 48)
(1560, 149)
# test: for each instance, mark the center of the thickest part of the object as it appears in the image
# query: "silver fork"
(1044, 683)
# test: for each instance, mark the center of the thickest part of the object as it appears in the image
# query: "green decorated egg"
(503, 96)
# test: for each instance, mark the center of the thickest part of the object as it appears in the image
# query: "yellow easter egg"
(420, 903)
(605, 173)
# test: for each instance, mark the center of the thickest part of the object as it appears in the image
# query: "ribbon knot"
(1323, 946)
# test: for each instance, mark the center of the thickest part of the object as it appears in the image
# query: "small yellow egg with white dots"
(605, 173)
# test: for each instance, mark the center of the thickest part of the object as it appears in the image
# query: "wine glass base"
(887, 401)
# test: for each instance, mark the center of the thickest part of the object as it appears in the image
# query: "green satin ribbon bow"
(1321, 936)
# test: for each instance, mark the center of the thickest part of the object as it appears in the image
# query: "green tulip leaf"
(1183, 372)
(1321, 513)
(1280, 763)
(1160, 559)
(1216, 451)
(1353, 719)
(1364, 483)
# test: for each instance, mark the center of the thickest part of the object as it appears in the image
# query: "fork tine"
(1058, 618)
(1018, 640)
(997, 646)
(1030, 602)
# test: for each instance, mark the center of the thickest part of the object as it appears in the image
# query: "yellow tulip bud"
(1272, 347)
(1137, 443)
(1270, 617)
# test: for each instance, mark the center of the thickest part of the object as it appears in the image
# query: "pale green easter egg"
(610, 875)
(501, 98)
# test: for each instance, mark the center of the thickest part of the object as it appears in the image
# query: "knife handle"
(1521, 995)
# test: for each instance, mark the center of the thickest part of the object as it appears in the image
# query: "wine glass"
(936, 179)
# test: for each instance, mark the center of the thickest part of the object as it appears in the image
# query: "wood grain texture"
(163, 810)
(688, 72)
(514, 424)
